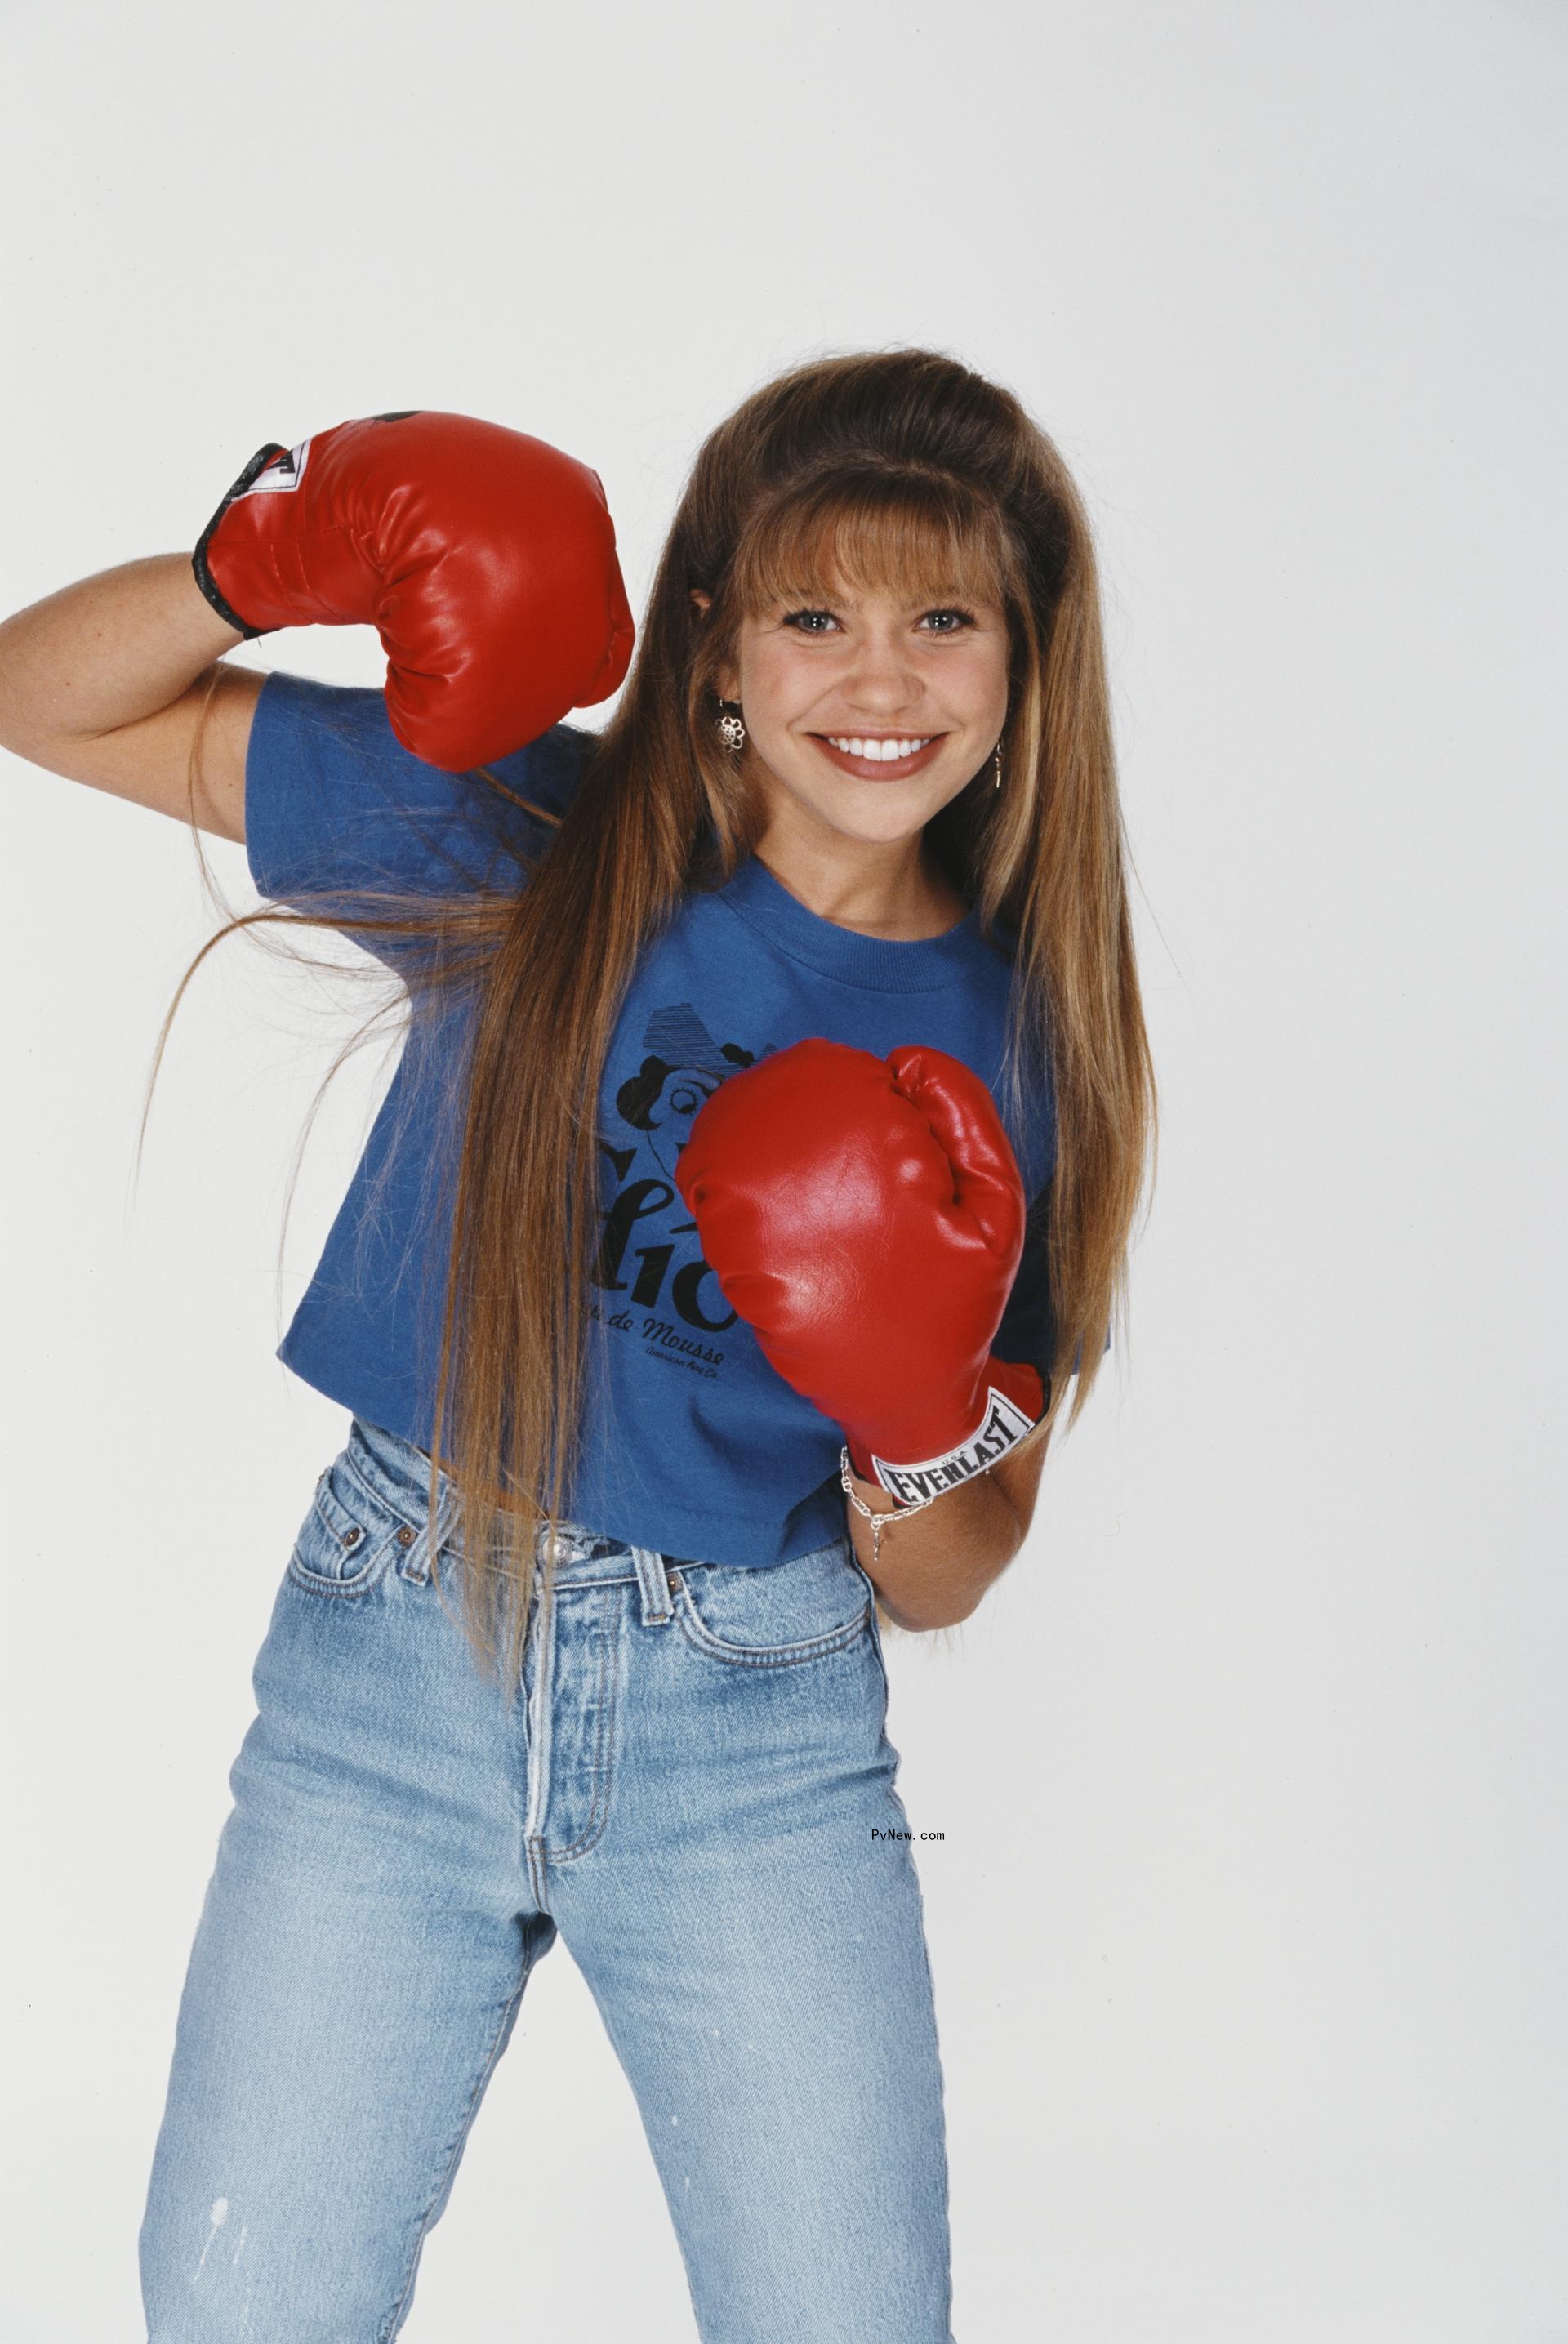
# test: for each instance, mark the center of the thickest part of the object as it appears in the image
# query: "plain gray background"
(1249, 1923)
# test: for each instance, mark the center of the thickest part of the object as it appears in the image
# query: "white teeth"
(882, 752)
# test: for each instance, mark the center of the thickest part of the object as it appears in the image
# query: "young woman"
(757, 1174)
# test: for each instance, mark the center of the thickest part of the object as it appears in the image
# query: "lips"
(878, 769)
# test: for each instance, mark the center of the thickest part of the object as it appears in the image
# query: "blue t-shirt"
(693, 1445)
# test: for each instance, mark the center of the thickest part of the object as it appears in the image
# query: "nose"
(882, 683)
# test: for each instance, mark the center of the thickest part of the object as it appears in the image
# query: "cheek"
(982, 688)
(773, 690)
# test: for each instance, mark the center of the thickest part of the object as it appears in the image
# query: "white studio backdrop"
(1249, 1923)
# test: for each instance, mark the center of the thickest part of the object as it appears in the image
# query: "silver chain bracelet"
(875, 1516)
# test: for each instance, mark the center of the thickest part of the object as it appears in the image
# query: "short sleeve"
(333, 802)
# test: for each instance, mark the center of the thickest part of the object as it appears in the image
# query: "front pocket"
(777, 1613)
(348, 1537)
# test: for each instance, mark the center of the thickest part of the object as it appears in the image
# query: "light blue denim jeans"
(693, 1785)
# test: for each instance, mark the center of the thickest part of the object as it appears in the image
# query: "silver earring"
(731, 731)
(996, 754)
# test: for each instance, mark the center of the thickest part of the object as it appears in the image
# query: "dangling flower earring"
(731, 731)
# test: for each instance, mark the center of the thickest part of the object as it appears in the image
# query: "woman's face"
(870, 714)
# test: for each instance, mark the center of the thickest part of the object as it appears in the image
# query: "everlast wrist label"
(1003, 1426)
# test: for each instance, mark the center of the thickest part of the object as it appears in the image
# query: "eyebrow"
(920, 602)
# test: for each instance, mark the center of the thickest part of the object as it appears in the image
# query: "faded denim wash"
(689, 1787)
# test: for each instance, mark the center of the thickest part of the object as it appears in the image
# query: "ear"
(726, 681)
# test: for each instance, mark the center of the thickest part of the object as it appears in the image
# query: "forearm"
(936, 1563)
(105, 653)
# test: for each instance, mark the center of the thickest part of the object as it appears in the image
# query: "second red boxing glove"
(865, 1216)
(484, 558)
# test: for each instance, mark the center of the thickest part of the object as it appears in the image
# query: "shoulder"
(301, 710)
(334, 802)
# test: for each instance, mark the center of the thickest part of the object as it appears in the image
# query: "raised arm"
(484, 558)
(104, 681)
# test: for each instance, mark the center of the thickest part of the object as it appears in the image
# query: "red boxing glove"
(865, 1218)
(485, 559)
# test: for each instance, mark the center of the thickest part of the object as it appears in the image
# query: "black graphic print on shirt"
(659, 1289)
(663, 1291)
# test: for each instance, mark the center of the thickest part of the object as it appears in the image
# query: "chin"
(892, 830)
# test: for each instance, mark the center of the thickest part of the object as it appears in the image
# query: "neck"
(897, 891)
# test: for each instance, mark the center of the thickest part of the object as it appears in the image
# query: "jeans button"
(405, 1536)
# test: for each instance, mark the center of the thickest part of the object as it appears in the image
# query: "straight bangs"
(924, 537)
(892, 473)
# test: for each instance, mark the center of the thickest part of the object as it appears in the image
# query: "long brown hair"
(902, 468)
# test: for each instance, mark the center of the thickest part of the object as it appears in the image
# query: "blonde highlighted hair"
(902, 469)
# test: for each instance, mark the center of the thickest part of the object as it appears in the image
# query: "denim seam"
(538, 1723)
(876, 1626)
(372, 1490)
(620, 1579)
(761, 1656)
(599, 1812)
(313, 1583)
(946, 2190)
(370, 1575)
(449, 2164)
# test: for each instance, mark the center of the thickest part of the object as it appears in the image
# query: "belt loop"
(424, 1552)
(653, 1580)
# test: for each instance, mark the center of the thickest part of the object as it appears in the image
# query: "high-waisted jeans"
(693, 1785)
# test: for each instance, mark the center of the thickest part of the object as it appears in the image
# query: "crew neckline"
(879, 964)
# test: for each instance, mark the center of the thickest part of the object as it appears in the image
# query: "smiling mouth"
(879, 756)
